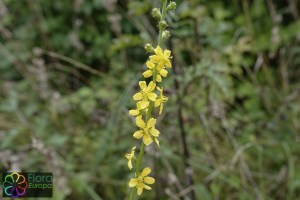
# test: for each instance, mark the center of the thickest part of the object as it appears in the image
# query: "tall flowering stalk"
(149, 97)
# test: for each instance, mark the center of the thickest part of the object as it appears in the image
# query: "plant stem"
(149, 112)
(138, 167)
(163, 16)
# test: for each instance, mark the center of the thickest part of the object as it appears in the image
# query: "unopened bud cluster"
(166, 35)
(149, 48)
(162, 24)
(156, 13)
(172, 6)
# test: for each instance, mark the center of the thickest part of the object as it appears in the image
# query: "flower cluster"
(150, 96)
(141, 181)
(147, 96)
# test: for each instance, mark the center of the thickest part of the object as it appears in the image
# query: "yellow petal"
(150, 65)
(152, 96)
(151, 122)
(158, 78)
(168, 63)
(138, 134)
(140, 189)
(160, 89)
(160, 65)
(155, 59)
(154, 132)
(163, 72)
(167, 53)
(129, 164)
(142, 105)
(143, 85)
(133, 182)
(157, 102)
(140, 123)
(138, 96)
(146, 171)
(156, 141)
(151, 86)
(147, 73)
(132, 150)
(158, 51)
(149, 180)
(161, 108)
(134, 112)
(147, 187)
(147, 139)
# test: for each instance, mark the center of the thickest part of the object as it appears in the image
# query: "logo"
(14, 185)
(19, 185)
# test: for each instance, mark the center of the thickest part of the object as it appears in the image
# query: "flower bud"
(149, 48)
(166, 34)
(172, 6)
(163, 25)
(156, 13)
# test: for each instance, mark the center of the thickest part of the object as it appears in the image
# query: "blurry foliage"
(238, 69)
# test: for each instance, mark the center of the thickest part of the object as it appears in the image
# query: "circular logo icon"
(15, 185)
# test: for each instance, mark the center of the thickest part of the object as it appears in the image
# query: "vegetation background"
(230, 129)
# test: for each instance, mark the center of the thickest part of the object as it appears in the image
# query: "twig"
(73, 62)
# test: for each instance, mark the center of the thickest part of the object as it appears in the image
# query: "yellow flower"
(141, 181)
(162, 58)
(148, 131)
(146, 93)
(129, 157)
(160, 100)
(160, 71)
(140, 106)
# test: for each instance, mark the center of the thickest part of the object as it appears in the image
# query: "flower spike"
(149, 97)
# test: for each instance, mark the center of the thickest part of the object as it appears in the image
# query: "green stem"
(149, 112)
(163, 16)
(138, 165)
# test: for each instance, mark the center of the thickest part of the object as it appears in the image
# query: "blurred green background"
(69, 68)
